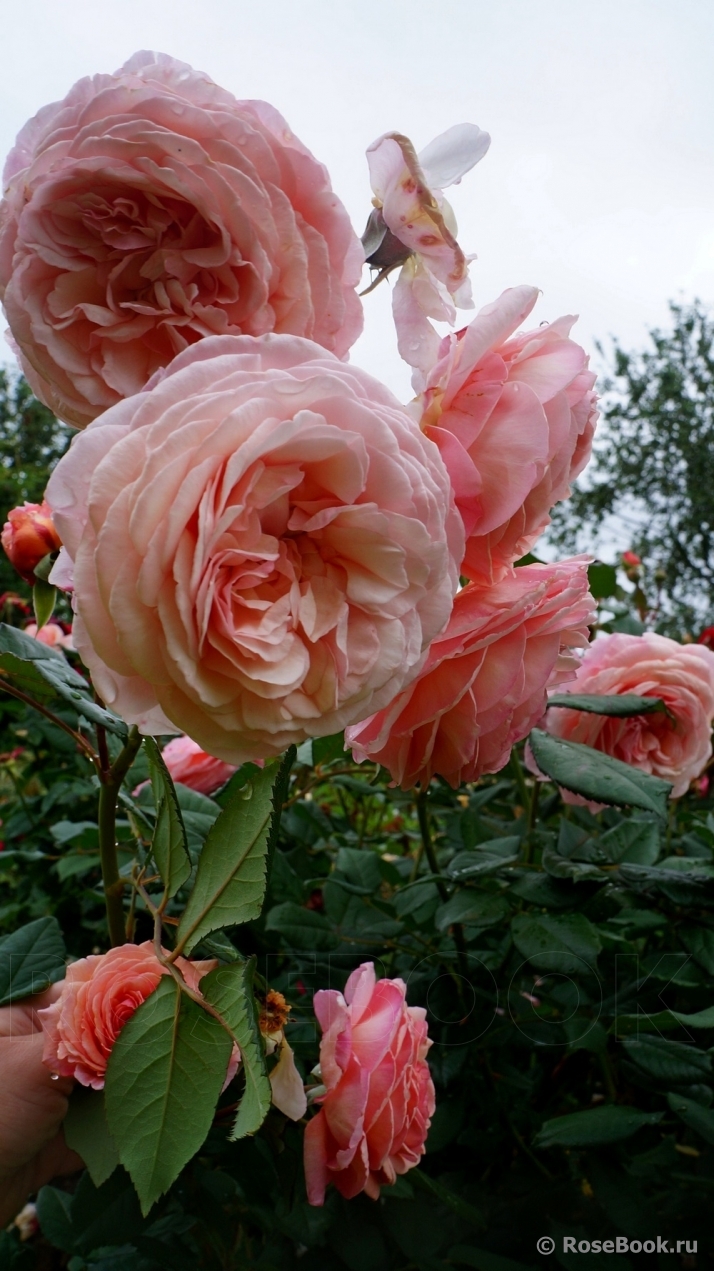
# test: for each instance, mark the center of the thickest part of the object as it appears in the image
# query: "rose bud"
(28, 535)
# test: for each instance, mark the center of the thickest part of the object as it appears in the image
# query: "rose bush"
(28, 535)
(99, 994)
(675, 746)
(483, 685)
(263, 546)
(374, 1118)
(150, 208)
(513, 417)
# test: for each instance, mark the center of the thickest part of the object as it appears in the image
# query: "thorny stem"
(111, 780)
(428, 845)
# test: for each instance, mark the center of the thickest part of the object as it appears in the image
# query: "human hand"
(32, 1108)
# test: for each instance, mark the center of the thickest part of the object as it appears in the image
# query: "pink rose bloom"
(28, 535)
(149, 209)
(191, 766)
(414, 224)
(51, 634)
(514, 420)
(264, 545)
(374, 1118)
(483, 685)
(650, 665)
(99, 994)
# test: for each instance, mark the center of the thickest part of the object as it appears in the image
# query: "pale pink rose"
(264, 545)
(99, 994)
(51, 634)
(149, 209)
(682, 675)
(191, 766)
(28, 535)
(413, 225)
(483, 686)
(513, 417)
(376, 1113)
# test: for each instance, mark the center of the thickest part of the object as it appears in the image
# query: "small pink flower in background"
(99, 994)
(51, 634)
(702, 786)
(676, 749)
(149, 209)
(379, 1100)
(408, 197)
(191, 766)
(28, 535)
(263, 544)
(514, 418)
(483, 685)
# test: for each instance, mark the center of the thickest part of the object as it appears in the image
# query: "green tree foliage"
(31, 442)
(653, 467)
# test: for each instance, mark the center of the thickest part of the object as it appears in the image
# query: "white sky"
(599, 185)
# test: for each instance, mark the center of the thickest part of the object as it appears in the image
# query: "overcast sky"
(599, 185)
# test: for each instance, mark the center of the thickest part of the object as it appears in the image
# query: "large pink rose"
(149, 209)
(191, 766)
(514, 419)
(374, 1118)
(682, 675)
(264, 545)
(483, 685)
(99, 994)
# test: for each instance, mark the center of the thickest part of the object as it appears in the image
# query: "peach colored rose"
(483, 685)
(28, 535)
(191, 766)
(413, 225)
(150, 208)
(99, 994)
(374, 1118)
(682, 675)
(264, 544)
(51, 634)
(514, 419)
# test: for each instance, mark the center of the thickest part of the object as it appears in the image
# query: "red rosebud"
(707, 637)
(631, 559)
(28, 535)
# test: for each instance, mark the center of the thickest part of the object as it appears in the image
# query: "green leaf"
(560, 867)
(668, 1061)
(632, 841)
(232, 871)
(471, 908)
(694, 1115)
(596, 776)
(44, 596)
(626, 1025)
(700, 943)
(485, 859)
(31, 959)
(164, 1077)
(602, 580)
(169, 846)
(326, 749)
(230, 990)
(619, 705)
(54, 1217)
(86, 1131)
(74, 864)
(608, 1124)
(568, 942)
(47, 677)
(302, 928)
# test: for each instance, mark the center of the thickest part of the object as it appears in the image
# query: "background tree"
(653, 469)
(31, 442)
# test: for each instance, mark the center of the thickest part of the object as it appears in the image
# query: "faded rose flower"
(513, 417)
(29, 534)
(379, 1100)
(675, 746)
(414, 226)
(483, 685)
(149, 209)
(99, 994)
(264, 545)
(51, 634)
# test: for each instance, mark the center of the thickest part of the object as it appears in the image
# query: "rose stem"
(111, 779)
(428, 845)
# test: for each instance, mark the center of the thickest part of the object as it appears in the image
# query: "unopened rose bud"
(28, 536)
(631, 559)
